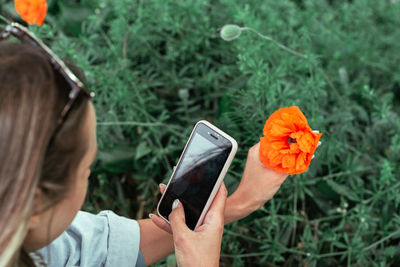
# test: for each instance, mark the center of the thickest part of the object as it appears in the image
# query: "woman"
(47, 144)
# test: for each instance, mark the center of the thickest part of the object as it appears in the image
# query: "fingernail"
(151, 215)
(175, 204)
(160, 185)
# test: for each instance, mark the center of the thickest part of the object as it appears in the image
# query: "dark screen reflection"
(195, 178)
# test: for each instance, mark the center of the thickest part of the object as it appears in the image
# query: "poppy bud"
(230, 32)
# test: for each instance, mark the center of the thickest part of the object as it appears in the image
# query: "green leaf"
(327, 191)
(171, 261)
(142, 150)
(224, 105)
(73, 15)
(116, 160)
(343, 190)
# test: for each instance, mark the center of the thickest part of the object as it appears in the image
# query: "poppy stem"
(281, 46)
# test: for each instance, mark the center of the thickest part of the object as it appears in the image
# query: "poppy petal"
(288, 143)
(289, 161)
(32, 11)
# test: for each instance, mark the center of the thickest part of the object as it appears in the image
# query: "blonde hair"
(32, 96)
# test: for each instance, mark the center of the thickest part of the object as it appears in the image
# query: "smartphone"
(199, 173)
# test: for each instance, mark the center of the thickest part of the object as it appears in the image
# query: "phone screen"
(196, 174)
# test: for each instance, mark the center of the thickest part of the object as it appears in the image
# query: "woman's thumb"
(177, 217)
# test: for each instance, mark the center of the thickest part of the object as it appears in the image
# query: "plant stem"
(328, 218)
(243, 236)
(281, 46)
(331, 254)
(4, 19)
(130, 123)
(349, 257)
(255, 254)
(173, 128)
(337, 174)
(381, 193)
(294, 212)
(381, 240)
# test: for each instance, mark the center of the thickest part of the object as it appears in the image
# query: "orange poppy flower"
(32, 11)
(288, 143)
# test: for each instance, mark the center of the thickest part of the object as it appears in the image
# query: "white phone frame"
(221, 176)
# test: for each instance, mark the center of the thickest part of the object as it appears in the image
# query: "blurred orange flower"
(288, 143)
(32, 11)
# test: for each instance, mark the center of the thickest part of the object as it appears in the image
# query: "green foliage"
(157, 67)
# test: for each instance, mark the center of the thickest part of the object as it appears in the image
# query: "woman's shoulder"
(105, 239)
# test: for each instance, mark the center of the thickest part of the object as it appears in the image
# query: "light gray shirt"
(105, 239)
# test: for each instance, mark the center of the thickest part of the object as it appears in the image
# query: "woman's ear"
(34, 220)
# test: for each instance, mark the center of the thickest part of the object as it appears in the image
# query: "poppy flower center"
(291, 140)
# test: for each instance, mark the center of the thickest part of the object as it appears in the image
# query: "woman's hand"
(202, 246)
(258, 185)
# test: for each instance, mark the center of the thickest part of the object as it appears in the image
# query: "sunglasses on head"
(77, 87)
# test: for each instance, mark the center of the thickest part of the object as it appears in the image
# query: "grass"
(158, 67)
